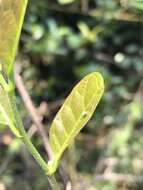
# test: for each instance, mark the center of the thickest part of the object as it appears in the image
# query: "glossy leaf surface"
(74, 114)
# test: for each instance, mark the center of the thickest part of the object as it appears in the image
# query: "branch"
(41, 110)
(37, 116)
(33, 112)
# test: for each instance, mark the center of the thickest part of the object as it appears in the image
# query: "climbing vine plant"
(73, 115)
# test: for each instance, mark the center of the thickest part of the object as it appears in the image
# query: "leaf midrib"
(72, 131)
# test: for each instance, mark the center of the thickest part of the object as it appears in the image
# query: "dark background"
(60, 44)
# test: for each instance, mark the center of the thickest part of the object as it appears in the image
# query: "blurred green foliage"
(61, 42)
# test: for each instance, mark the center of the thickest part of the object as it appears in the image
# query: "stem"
(51, 179)
(53, 182)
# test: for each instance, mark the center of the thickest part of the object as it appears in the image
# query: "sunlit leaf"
(89, 34)
(74, 114)
(11, 19)
(65, 1)
(2, 120)
(137, 4)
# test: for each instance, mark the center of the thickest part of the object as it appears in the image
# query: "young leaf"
(11, 19)
(74, 114)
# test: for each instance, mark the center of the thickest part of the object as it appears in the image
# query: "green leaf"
(2, 120)
(11, 20)
(74, 114)
(63, 2)
(6, 111)
(137, 5)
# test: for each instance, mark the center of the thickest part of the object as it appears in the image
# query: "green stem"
(51, 179)
(53, 182)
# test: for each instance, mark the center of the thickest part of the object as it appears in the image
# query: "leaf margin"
(52, 164)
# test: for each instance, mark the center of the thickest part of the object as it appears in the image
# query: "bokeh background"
(61, 42)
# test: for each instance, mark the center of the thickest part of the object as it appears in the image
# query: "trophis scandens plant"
(76, 110)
